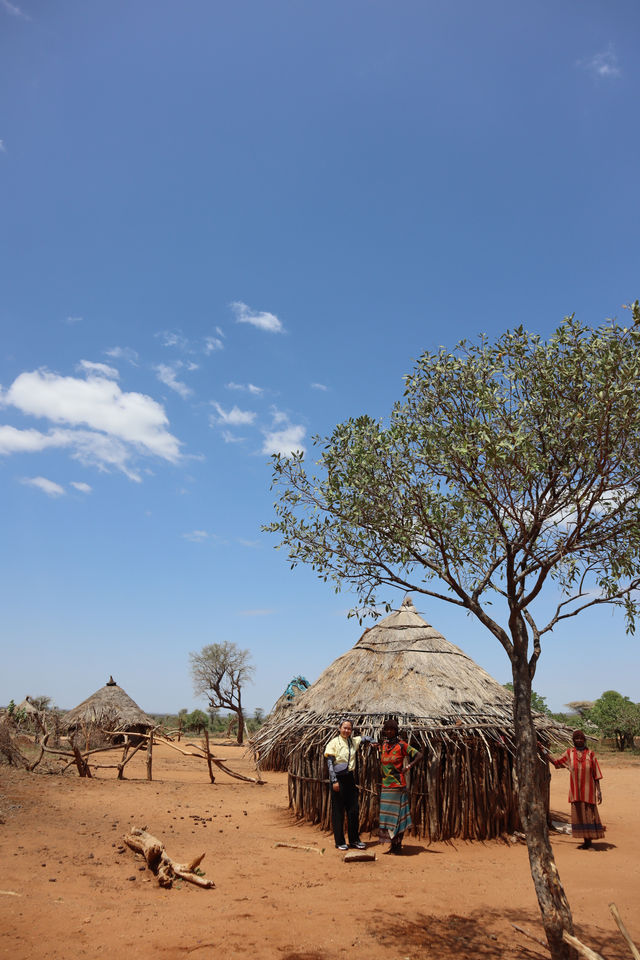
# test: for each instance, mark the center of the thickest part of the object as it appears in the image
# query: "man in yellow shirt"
(340, 754)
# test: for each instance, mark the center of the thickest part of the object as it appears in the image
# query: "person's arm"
(597, 776)
(556, 761)
(332, 774)
(417, 756)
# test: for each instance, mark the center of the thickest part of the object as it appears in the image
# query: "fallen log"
(161, 864)
(359, 856)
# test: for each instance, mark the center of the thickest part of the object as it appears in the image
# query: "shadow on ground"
(486, 936)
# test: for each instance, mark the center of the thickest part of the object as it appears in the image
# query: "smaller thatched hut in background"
(27, 707)
(108, 709)
(445, 703)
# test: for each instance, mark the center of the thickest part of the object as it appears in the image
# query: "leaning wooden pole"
(150, 757)
(206, 740)
(124, 759)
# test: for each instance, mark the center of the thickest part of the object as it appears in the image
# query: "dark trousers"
(345, 801)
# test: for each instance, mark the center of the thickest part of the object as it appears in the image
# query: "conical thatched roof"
(109, 707)
(27, 706)
(403, 667)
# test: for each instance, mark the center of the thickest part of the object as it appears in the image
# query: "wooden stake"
(298, 846)
(124, 759)
(150, 757)
(206, 740)
(586, 952)
(623, 930)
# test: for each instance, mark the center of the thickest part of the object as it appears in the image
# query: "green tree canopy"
(538, 703)
(616, 716)
(197, 720)
(509, 466)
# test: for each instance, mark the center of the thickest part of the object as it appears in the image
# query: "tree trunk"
(554, 906)
(240, 726)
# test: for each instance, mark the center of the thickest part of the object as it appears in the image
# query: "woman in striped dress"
(584, 789)
(395, 815)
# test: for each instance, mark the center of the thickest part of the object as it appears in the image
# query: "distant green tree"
(538, 703)
(197, 721)
(617, 717)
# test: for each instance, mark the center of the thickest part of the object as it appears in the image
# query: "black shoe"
(359, 845)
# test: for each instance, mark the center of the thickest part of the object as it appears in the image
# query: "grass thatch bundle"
(444, 702)
(108, 709)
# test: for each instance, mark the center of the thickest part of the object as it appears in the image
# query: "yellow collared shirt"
(343, 751)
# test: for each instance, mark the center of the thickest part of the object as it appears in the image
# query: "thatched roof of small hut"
(27, 707)
(110, 708)
(444, 702)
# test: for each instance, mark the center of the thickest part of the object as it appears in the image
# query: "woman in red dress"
(584, 789)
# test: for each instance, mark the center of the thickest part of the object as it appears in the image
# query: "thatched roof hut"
(27, 707)
(108, 709)
(403, 668)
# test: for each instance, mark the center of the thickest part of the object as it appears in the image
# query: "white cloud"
(260, 319)
(248, 387)
(603, 64)
(248, 543)
(47, 486)
(82, 487)
(71, 321)
(13, 440)
(3, 149)
(102, 369)
(14, 10)
(104, 426)
(279, 416)
(319, 386)
(260, 612)
(167, 375)
(229, 437)
(285, 442)
(211, 344)
(173, 338)
(196, 536)
(234, 417)
(123, 353)
(284, 437)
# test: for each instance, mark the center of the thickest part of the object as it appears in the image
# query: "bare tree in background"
(219, 672)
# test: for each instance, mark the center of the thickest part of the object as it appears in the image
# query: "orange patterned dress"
(584, 771)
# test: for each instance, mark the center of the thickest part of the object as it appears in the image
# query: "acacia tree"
(508, 467)
(219, 672)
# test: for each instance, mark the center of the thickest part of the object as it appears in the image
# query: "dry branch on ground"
(161, 864)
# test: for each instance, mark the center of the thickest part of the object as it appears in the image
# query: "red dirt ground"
(69, 890)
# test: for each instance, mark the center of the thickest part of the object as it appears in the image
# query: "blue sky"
(226, 227)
